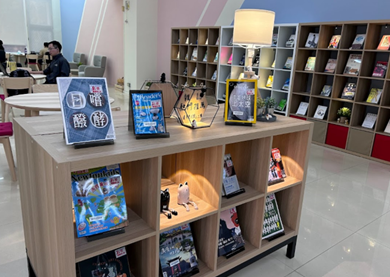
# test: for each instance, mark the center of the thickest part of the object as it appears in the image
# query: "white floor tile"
(378, 231)
(11, 243)
(17, 268)
(295, 274)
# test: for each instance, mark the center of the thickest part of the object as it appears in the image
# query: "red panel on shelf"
(337, 136)
(297, 117)
(381, 149)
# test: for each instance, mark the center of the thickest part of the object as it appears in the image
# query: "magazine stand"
(45, 166)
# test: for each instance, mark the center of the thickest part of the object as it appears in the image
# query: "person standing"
(59, 66)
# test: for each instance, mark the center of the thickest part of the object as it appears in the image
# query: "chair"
(13, 83)
(44, 88)
(32, 60)
(6, 131)
(95, 70)
(45, 61)
(77, 58)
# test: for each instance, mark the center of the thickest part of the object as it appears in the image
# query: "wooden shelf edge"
(249, 195)
(289, 182)
(250, 251)
(288, 233)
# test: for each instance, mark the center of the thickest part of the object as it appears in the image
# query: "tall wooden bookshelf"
(267, 56)
(197, 38)
(45, 164)
(307, 86)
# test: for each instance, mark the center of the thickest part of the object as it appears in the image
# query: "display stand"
(195, 156)
(92, 144)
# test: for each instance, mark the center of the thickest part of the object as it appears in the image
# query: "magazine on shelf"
(374, 96)
(369, 120)
(274, 40)
(289, 63)
(290, 42)
(358, 42)
(286, 85)
(274, 176)
(230, 59)
(86, 110)
(326, 90)
(269, 81)
(194, 55)
(256, 61)
(113, 263)
(277, 158)
(353, 64)
(380, 69)
(99, 200)
(205, 57)
(177, 252)
(385, 43)
(229, 178)
(282, 105)
(311, 61)
(331, 66)
(334, 42)
(302, 109)
(272, 226)
(312, 40)
(387, 129)
(349, 91)
(320, 112)
(273, 64)
(230, 240)
(216, 58)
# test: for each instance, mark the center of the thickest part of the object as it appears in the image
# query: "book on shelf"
(288, 64)
(194, 55)
(380, 69)
(312, 40)
(99, 200)
(358, 41)
(242, 61)
(217, 42)
(385, 43)
(320, 112)
(286, 85)
(302, 109)
(112, 263)
(230, 239)
(369, 120)
(229, 177)
(178, 55)
(187, 40)
(274, 40)
(186, 57)
(387, 129)
(331, 66)
(185, 71)
(277, 159)
(374, 96)
(326, 90)
(269, 81)
(216, 58)
(274, 176)
(334, 42)
(256, 60)
(230, 59)
(311, 61)
(205, 57)
(349, 91)
(214, 76)
(291, 41)
(272, 225)
(273, 64)
(207, 41)
(353, 64)
(230, 41)
(194, 73)
(177, 252)
(282, 105)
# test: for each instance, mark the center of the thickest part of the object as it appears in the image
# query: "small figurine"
(346, 122)
(164, 205)
(183, 196)
(338, 120)
(193, 124)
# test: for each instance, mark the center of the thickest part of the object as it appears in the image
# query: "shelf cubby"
(350, 30)
(382, 120)
(304, 33)
(201, 70)
(374, 35)
(175, 67)
(193, 36)
(322, 59)
(183, 52)
(343, 59)
(364, 88)
(305, 83)
(201, 52)
(369, 61)
(210, 69)
(238, 53)
(264, 74)
(326, 33)
(280, 77)
(314, 102)
(175, 38)
(144, 263)
(339, 84)
(175, 79)
(265, 92)
(236, 71)
(174, 51)
(335, 106)
(302, 57)
(359, 113)
(295, 101)
(319, 82)
(284, 34)
(190, 69)
(227, 35)
(211, 52)
(213, 35)
(226, 52)
(267, 57)
(183, 36)
(203, 35)
(281, 59)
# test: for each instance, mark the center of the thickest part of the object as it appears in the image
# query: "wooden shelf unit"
(197, 37)
(307, 86)
(45, 164)
(267, 56)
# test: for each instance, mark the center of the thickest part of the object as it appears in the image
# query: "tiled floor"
(344, 231)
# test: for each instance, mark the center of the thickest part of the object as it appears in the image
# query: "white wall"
(12, 22)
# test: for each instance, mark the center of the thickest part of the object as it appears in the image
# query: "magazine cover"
(331, 65)
(320, 112)
(230, 238)
(326, 90)
(334, 41)
(358, 42)
(275, 155)
(86, 110)
(99, 200)
(380, 69)
(274, 175)
(230, 181)
(369, 120)
(349, 91)
(375, 95)
(113, 263)
(353, 64)
(291, 41)
(302, 109)
(286, 85)
(312, 40)
(274, 40)
(311, 61)
(177, 252)
(385, 43)
(270, 81)
(241, 98)
(282, 105)
(272, 225)
(288, 64)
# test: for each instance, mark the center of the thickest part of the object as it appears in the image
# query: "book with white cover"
(302, 109)
(320, 112)
(369, 121)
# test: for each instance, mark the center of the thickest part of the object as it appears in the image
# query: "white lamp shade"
(253, 27)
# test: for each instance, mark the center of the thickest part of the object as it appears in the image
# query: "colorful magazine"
(177, 252)
(349, 91)
(86, 110)
(326, 90)
(272, 225)
(289, 63)
(230, 181)
(99, 200)
(274, 175)
(353, 64)
(230, 238)
(374, 96)
(277, 158)
(282, 105)
(331, 66)
(286, 85)
(380, 69)
(320, 112)
(269, 81)
(385, 43)
(312, 40)
(311, 61)
(358, 42)
(334, 42)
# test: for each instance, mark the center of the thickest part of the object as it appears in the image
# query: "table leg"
(34, 113)
(27, 113)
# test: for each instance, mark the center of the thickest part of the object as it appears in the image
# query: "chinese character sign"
(85, 109)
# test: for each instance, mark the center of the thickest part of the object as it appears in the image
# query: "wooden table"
(33, 103)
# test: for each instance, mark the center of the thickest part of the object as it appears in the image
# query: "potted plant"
(270, 104)
(344, 113)
(260, 106)
(80, 63)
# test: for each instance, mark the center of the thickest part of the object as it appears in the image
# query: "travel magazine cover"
(230, 240)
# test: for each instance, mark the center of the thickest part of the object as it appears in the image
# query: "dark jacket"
(2, 56)
(59, 67)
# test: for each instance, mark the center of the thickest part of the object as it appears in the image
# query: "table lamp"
(253, 29)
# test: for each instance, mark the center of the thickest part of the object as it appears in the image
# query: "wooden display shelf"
(266, 244)
(288, 182)
(188, 155)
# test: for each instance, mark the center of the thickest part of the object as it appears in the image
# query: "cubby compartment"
(183, 36)
(284, 34)
(238, 54)
(175, 38)
(335, 106)
(203, 35)
(364, 88)
(193, 37)
(319, 130)
(191, 81)
(190, 69)
(385, 102)
(227, 35)
(183, 52)
(302, 57)
(322, 59)
(282, 56)
(191, 50)
(360, 141)
(359, 114)
(321, 80)
(343, 60)
(349, 33)
(305, 83)
(254, 182)
(295, 101)
(175, 67)
(205, 186)
(210, 69)
(226, 52)
(278, 96)
(175, 80)
(374, 35)
(251, 229)
(175, 53)
(202, 50)
(304, 33)
(382, 120)
(201, 70)
(211, 92)
(326, 34)
(182, 80)
(211, 52)
(143, 264)
(213, 35)
(339, 85)
(267, 57)
(369, 62)
(236, 71)
(225, 71)
(264, 93)
(280, 77)
(314, 102)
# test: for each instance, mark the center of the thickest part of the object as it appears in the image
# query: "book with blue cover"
(86, 110)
